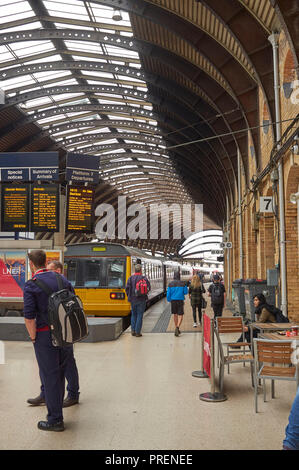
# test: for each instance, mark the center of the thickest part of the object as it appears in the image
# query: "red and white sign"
(207, 344)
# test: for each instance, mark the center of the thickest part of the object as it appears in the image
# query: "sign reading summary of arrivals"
(79, 214)
(29, 166)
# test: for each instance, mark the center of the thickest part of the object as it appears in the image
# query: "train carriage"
(99, 273)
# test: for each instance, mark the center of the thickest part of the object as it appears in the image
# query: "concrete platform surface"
(100, 329)
(138, 393)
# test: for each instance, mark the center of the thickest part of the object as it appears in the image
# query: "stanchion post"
(201, 374)
(212, 396)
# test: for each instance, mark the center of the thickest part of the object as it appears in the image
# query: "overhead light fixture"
(117, 15)
(294, 198)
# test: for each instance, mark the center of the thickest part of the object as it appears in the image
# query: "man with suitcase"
(51, 359)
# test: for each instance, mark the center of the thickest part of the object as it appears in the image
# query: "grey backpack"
(66, 317)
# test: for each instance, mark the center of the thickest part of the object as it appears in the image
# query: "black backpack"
(66, 317)
(279, 316)
(217, 294)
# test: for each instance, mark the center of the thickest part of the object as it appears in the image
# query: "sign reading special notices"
(28, 166)
(81, 168)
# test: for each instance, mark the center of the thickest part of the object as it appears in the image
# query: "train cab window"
(115, 273)
(92, 273)
(71, 272)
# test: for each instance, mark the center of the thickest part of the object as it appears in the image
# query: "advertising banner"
(207, 345)
(12, 273)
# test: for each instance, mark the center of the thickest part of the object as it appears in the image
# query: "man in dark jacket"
(71, 371)
(217, 293)
(137, 300)
(51, 360)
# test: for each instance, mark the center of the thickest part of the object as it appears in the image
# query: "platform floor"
(138, 393)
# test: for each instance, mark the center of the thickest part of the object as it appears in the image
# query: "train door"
(164, 278)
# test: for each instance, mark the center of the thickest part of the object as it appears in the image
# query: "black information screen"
(80, 202)
(15, 207)
(45, 208)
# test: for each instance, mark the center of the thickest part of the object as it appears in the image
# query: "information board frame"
(45, 229)
(92, 212)
(4, 225)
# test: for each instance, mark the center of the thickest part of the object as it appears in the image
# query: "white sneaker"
(194, 325)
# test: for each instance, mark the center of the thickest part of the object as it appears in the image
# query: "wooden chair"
(240, 356)
(272, 361)
(225, 325)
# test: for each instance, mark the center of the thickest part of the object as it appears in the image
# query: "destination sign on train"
(29, 166)
(15, 208)
(45, 208)
(82, 168)
(80, 209)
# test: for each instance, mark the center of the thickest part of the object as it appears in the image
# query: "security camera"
(294, 198)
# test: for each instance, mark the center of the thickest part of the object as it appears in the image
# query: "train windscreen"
(101, 272)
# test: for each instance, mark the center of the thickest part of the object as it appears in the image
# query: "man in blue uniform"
(51, 360)
(71, 371)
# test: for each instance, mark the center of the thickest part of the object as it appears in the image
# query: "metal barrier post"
(201, 374)
(212, 396)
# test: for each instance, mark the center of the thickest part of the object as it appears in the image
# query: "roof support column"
(283, 278)
(240, 216)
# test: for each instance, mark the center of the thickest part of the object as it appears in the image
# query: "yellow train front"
(99, 273)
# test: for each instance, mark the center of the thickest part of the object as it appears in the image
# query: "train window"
(71, 272)
(115, 273)
(92, 273)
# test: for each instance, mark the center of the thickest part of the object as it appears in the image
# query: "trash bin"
(238, 296)
(253, 287)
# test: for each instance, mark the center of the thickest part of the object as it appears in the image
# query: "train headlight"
(117, 295)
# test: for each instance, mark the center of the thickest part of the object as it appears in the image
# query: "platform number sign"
(266, 204)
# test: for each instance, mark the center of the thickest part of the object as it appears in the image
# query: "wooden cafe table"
(268, 327)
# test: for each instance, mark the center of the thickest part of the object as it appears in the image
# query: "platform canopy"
(164, 91)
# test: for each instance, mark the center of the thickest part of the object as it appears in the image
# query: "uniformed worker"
(51, 360)
(71, 371)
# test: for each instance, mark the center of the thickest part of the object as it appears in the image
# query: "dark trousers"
(218, 308)
(198, 307)
(52, 363)
(71, 375)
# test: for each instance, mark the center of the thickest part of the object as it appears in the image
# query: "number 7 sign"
(266, 204)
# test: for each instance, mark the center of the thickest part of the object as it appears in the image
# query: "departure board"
(79, 217)
(45, 208)
(15, 208)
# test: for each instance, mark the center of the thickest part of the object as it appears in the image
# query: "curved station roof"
(161, 90)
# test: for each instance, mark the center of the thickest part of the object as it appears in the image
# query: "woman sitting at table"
(264, 314)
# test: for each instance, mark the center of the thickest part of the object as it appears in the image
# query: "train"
(99, 273)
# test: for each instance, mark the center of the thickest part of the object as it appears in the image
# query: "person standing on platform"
(176, 292)
(71, 371)
(51, 360)
(196, 290)
(217, 293)
(137, 289)
(291, 441)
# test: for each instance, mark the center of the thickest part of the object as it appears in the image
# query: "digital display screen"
(15, 208)
(45, 208)
(79, 217)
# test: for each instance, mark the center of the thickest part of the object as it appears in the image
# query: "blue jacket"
(36, 300)
(176, 290)
(131, 286)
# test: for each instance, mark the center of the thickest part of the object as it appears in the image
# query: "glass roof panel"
(84, 15)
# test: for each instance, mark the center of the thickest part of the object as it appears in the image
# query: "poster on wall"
(51, 255)
(12, 273)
